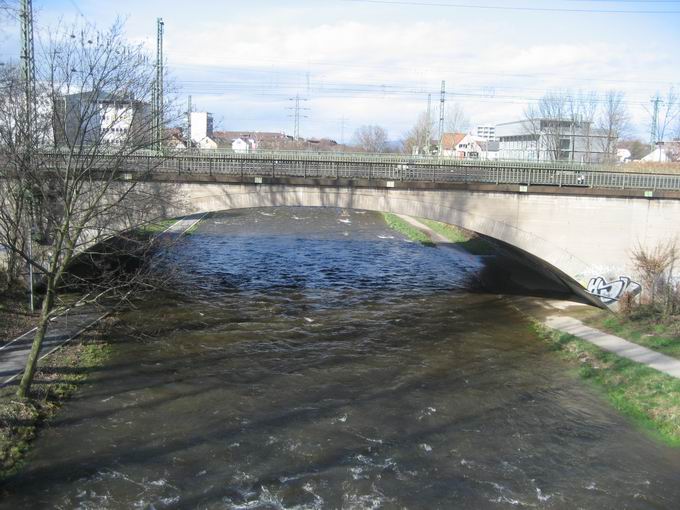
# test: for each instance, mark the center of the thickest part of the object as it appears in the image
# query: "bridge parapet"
(375, 167)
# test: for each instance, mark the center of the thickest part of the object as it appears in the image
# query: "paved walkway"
(66, 326)
(615, 344)
(62, 328)
(575, 327)
(439, 239)
(181, 226)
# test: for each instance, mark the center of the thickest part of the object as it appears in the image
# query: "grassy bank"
(407, 230)
(644, 327)
(57, 378)
(469, 241)
(15, 317)
(157, 227)
(649, 397)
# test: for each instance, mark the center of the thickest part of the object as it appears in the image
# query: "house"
(544, 139)
(468, 146)
(242, 146)
(450, 142)
(175, 143)
(623, 155)
(665, 152)
(206, 143)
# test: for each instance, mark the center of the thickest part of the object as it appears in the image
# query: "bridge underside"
(580, 238)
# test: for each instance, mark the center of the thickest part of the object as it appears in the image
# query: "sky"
(359, 62)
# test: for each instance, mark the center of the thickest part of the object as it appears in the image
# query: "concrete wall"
(582, 236)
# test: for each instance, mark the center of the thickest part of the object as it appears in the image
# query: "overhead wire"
(513, 7)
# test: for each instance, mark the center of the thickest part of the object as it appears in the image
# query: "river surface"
(312, 359)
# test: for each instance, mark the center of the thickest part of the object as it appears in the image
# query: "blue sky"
(374, 62)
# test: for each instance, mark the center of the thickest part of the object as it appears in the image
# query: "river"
(313, 358)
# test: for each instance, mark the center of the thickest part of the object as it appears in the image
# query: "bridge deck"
(398, 169)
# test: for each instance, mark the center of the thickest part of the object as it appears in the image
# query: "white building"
(201, 126)
(108, 118)
(468, 146)
(552, 139)
(206, 143)
(486, 132)
(665, 152)
(116, 121)
(623, 155)
(243, 145)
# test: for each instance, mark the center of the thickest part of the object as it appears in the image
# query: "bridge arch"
(578, 238)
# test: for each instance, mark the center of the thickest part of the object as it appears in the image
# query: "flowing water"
(317, 359)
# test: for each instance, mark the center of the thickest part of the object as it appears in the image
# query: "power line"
(158, 88)
(442, 103)
(511, 8)
(654, 135)
(297, 108)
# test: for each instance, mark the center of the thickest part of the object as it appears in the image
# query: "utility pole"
(27, 137)
(28, 66)
(343, 120)
(188, 137)
(297, 108)
(157, 107)
(442, 104)
(656, 102)
(428, 134)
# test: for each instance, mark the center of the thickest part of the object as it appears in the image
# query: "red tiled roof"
(450, 140)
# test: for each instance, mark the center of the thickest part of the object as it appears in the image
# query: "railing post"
(210, 165)
(242, 169)
(273, 169)
(337, 170)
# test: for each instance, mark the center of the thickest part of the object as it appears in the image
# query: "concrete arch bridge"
(581, 232)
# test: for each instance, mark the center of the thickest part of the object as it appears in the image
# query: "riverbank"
(407, 230)
(56, 380)
(642, 326)
(649, 397)
(61, 371)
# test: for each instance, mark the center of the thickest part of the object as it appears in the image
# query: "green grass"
(651, 398)
(643, 328)
(56, 380)
(407, 230)
(156, 227)
(466, 240)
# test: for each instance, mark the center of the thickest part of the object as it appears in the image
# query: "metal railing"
(391, 167)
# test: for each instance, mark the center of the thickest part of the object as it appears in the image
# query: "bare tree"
(657, 267)
(613, 122)
(418, 140)
(547, 123)
(456, 119)
(669, 114)
(371, 138)
(64, 160)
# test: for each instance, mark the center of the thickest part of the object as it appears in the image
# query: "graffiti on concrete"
(610, 292)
